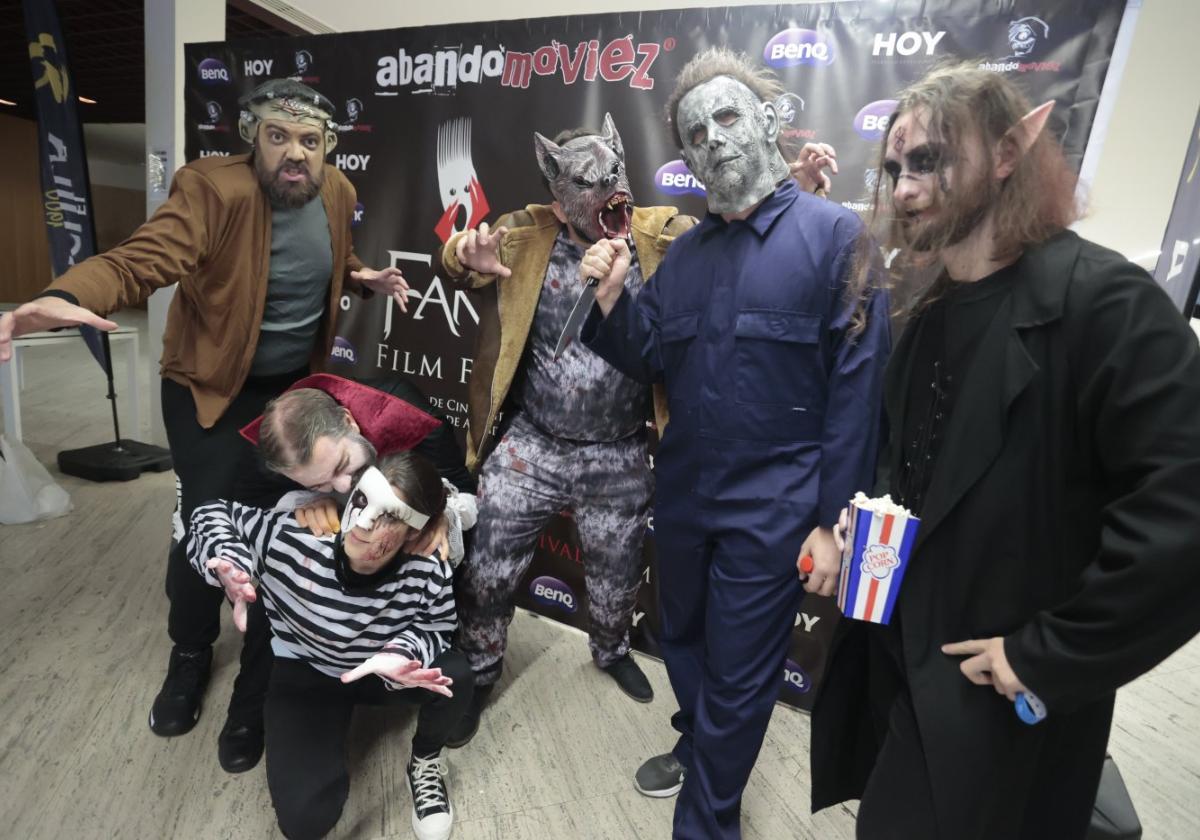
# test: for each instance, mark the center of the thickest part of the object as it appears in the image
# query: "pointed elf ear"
(1027, 131)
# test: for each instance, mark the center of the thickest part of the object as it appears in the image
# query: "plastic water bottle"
(1030, 708)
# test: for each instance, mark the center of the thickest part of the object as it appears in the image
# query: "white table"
(12, 375)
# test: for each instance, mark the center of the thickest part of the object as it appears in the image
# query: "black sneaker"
(432, 815)
(239, 746)
(468, 725)
(177, 706)
(630, 678)
(660, 777)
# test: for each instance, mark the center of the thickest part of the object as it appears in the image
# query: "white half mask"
(373, 497)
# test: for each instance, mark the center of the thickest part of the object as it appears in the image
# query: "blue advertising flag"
(66, 195)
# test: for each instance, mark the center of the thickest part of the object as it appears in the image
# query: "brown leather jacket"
(212, 236)
(508, 307)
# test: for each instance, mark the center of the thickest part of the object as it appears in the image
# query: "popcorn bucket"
(878, 543)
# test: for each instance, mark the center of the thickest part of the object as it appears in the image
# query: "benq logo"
(358, 215)
(1023, 35)
(871, 121)
(906, 43)
(552, 592)
(351, 163)
(304, 61)
(343, 351)
(794, 678)
(214, 112)
(798, 46)
(212, 71)
(675, 178)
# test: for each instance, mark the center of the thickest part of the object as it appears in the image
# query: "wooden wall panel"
(24, 251)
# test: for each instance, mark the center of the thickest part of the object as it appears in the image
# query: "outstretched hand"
(807, 166)
(479, 250)
(400, 669)
(238, 589)
(45, 313)
(387, 281)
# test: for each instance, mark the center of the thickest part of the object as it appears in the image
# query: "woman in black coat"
(1044, 410)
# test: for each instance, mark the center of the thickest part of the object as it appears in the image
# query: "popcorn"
(878, 544)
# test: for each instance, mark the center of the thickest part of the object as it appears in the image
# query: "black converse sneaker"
(433, 815)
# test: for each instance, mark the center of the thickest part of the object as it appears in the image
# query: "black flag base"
(121, 460)
(124, 460)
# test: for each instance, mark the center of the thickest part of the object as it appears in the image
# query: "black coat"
(1063, 515)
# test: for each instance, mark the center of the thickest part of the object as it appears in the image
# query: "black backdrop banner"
(1178, 268)
(437, 135)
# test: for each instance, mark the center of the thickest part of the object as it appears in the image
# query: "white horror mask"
(374, 497)
(727, 137)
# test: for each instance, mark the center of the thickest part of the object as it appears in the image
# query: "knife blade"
(578, 315)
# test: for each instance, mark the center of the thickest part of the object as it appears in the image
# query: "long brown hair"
(962, 104)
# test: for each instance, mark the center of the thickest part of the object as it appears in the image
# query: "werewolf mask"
(587, 177)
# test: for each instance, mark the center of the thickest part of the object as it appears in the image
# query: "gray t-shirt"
(580, 396)
(297, 288)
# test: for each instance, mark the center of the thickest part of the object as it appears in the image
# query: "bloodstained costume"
(573, 434)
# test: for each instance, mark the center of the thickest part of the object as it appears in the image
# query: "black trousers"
(308, 717)
(218, 463)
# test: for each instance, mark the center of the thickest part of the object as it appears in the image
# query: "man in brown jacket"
(260, 267)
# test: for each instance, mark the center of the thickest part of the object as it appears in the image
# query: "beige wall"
(1134, 182)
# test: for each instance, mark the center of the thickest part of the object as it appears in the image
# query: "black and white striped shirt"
(321, 611)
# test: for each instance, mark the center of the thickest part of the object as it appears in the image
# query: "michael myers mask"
(587, 177)
(727, 137)
(374, 497)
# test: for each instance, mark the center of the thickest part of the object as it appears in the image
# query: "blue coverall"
(774, 424)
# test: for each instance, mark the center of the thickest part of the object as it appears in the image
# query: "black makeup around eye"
(925, 158)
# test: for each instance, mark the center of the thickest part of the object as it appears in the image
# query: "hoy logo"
(258, 66)
(351, 163)
(906, 43)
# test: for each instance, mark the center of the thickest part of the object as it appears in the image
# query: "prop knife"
(578, 315)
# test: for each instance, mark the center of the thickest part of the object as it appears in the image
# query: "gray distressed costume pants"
(527, 479)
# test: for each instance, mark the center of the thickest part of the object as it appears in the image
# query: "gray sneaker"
(660, 777)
